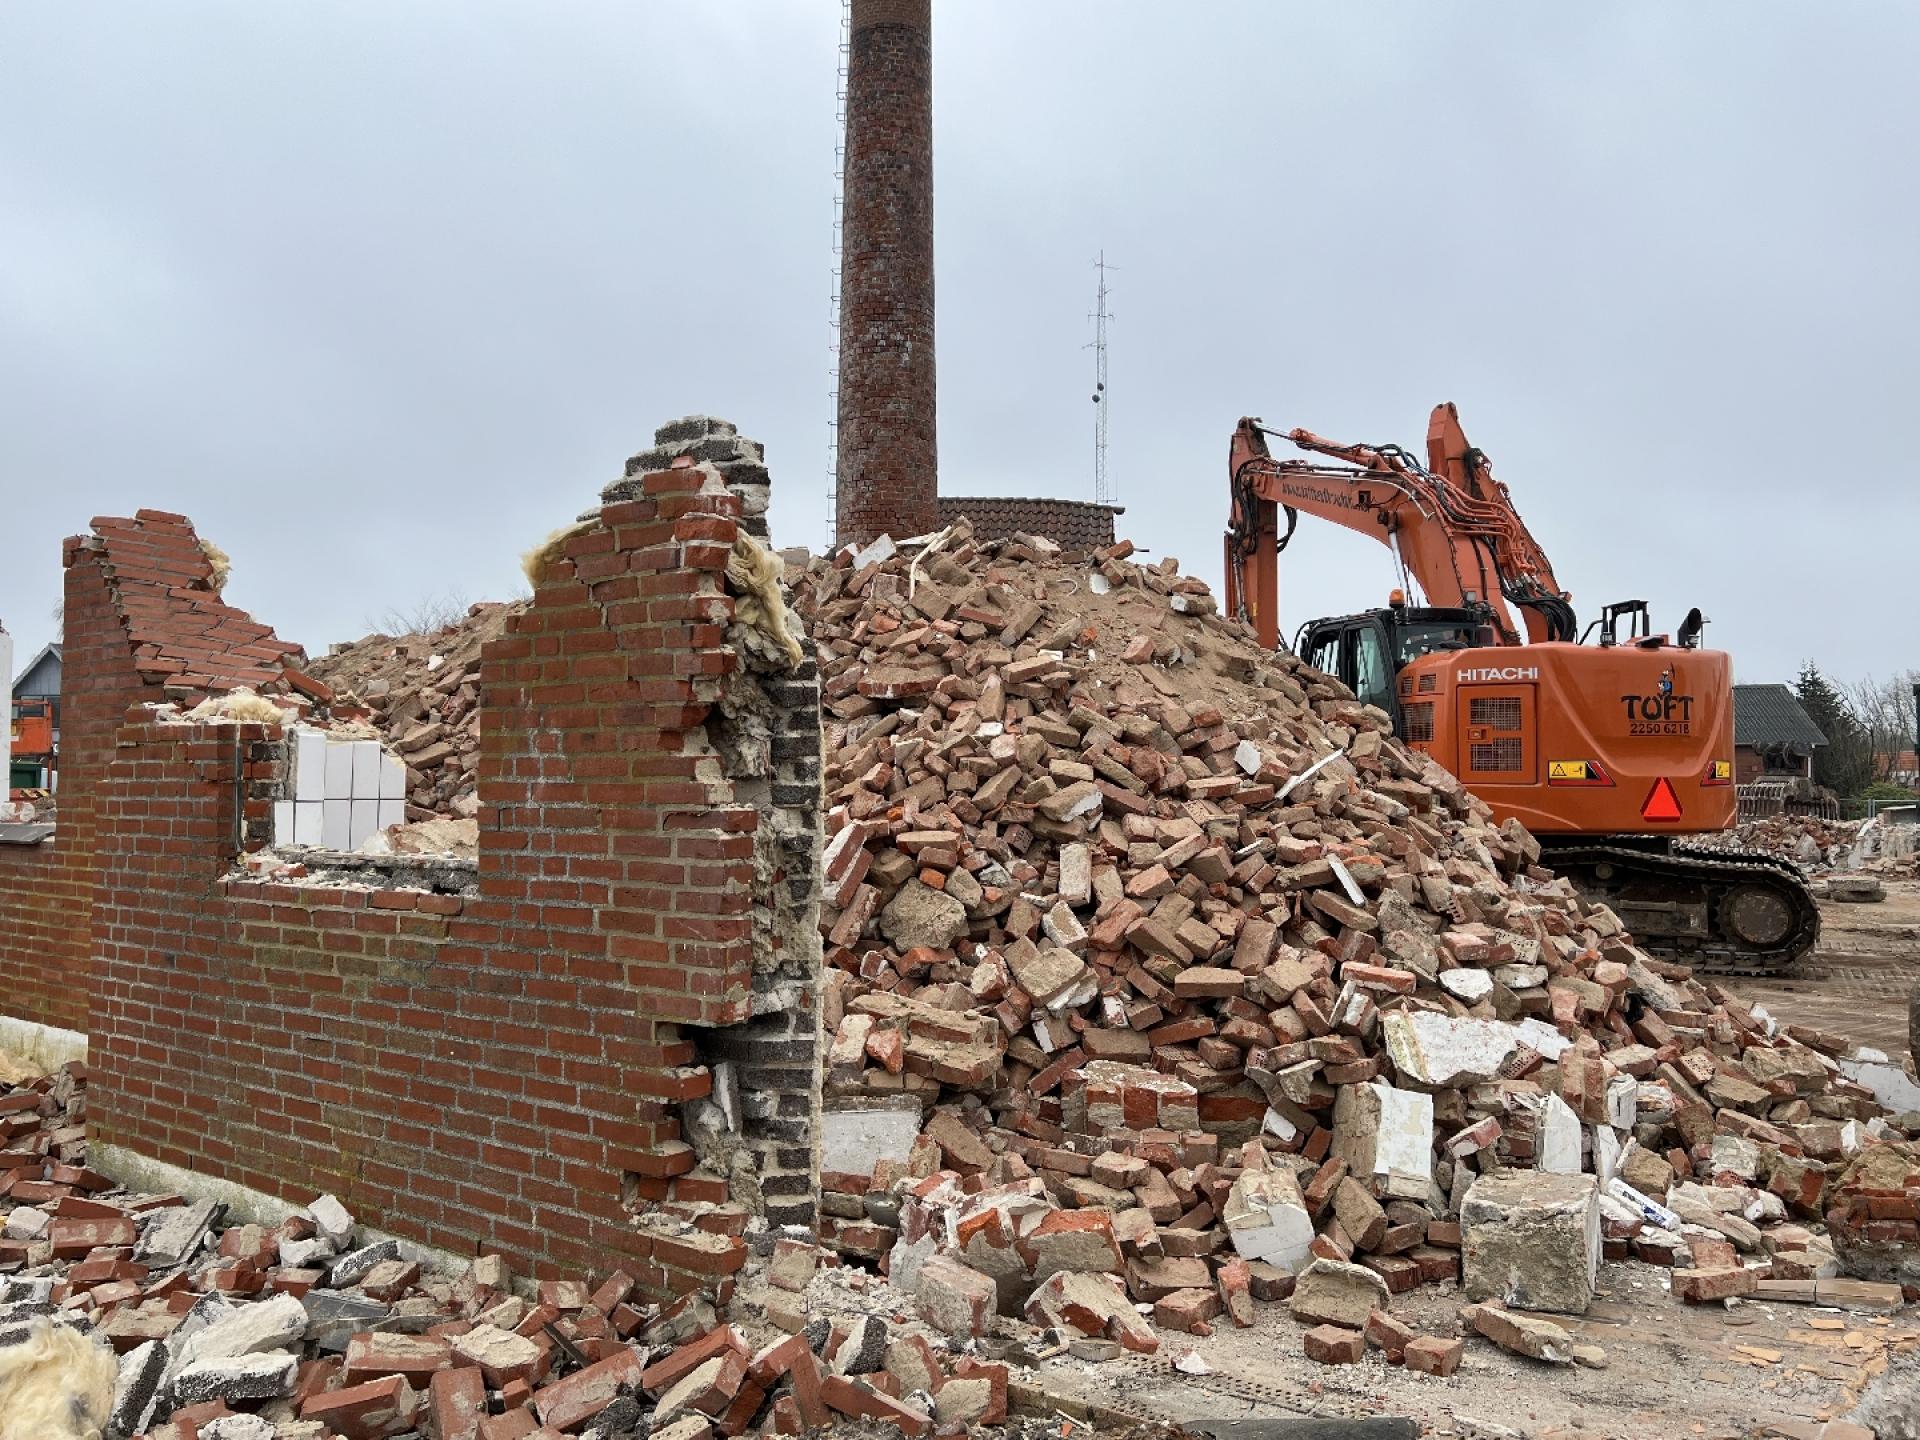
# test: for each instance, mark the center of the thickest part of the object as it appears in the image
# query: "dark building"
(1772, 735)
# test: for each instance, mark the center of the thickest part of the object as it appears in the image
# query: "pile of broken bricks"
(421, 694)
(1199, 989)
(310, 1330)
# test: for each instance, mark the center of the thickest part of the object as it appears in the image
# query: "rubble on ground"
(421, 693)
(1199, 989)
(313, 1330)
(1848, 857)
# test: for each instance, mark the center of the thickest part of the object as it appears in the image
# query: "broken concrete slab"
(1266, 1218)
(1330, 1292)
(1531, 1240)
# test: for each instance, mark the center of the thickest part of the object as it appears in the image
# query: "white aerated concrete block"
(309, 764)
(307, 822)
(362, 821)
(366, 769)
(855, 1138)
(339, 772)
(336, 817)
(393, 778)
(392, 813)
(283, 822)
(1405, 1143)
(1606, 1153)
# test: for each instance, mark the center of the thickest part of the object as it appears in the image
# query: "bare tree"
(424, 616)
(1886, 712)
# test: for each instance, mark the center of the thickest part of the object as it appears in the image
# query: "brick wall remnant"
(547, 1055)
(887, 467)
(1071, 524)
(143, 621)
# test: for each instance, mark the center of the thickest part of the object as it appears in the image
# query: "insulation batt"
(57, 1384)
(242, 706)
(753, 573)
(554, 547)
(217, 558)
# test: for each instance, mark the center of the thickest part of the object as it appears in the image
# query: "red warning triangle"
(1661, 803)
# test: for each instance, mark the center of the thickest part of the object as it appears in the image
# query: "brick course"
(1072, 524)
(887, 456)
(501, 1069)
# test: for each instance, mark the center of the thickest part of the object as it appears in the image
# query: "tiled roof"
(1771, 715)
(183, 634)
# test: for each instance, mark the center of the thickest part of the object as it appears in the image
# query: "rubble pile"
(1194, 988)
(1810, 841)
(312, 1330)
(421, 693)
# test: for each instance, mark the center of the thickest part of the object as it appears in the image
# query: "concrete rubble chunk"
(354, 1266)
(332, 1220)
(234, 1379)
(1521, 1334)
(136, 1392)
(276, 1323)
(1531, 1240)
(1331, 1292)
(1437, 1051)
(922, 917)
(1266, 1218)
(174, 1234)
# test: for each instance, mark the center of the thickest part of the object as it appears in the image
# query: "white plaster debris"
(1466, 984)
(1890, 1084)
(1267, 1219)
(1557, 1146)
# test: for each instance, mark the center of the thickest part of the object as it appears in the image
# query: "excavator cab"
(1367, 651)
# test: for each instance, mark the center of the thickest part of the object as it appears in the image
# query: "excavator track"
(1723, 912)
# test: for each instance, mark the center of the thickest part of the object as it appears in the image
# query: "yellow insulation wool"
(549, 549)
(217, 558)
(241, 705)
(55, 1385)
(753, 573)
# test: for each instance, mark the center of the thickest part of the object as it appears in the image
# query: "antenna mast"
(1102, 488)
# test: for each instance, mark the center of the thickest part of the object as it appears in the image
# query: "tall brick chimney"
(887, 463)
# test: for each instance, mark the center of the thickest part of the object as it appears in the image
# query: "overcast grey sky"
(379, 294)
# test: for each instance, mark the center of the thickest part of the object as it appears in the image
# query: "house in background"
(1772, 735)
(35, 721)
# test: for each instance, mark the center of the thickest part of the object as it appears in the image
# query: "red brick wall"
(45, 890)
(887, 460)
(488, 1071)
(1074, 524)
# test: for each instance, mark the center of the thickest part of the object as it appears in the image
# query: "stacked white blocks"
(344, 792)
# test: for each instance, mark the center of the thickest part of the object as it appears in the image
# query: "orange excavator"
(1611, 746)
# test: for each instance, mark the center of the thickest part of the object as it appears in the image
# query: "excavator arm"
(1453, 525)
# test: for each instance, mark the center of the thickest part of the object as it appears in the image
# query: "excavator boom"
(1452, 524)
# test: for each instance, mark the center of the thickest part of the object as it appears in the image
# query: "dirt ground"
(1857, 979)
(1671, 1369)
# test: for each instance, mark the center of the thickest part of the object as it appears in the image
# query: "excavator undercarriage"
(1724, 912)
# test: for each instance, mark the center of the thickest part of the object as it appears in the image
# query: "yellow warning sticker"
(1568, 770)
(1720, 770)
